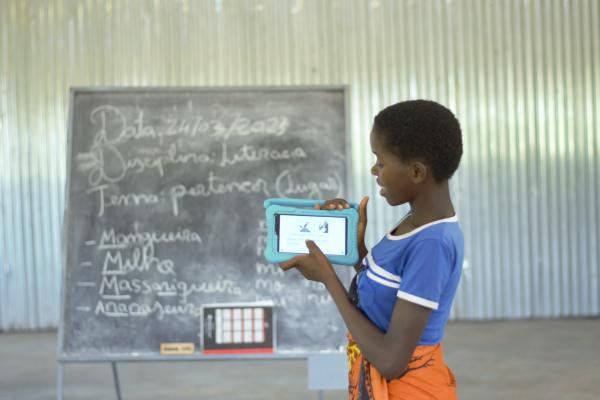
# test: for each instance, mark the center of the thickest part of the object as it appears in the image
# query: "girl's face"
(393, 175)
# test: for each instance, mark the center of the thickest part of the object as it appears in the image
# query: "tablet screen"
(329, 233)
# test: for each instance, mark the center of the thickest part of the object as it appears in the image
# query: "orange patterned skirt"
(427, 377)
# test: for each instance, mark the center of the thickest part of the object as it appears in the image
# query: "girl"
(400, 299)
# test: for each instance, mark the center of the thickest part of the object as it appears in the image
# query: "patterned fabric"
(427, 377)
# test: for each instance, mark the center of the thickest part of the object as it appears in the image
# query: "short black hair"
(422, 130)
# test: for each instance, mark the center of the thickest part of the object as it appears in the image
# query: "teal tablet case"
(305, 207)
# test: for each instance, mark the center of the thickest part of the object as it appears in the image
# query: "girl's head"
(415, 142)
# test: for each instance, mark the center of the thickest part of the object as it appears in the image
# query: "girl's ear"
(419, 172)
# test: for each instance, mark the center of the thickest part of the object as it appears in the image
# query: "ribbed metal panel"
(522, 76)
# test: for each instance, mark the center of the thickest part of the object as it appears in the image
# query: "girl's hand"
(340, 204)
(313, 266)
(335, 204)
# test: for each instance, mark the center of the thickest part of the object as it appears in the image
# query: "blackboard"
(164, 212)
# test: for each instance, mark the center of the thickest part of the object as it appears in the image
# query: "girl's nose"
(374, 170)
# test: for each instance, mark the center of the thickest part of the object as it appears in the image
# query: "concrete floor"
(492, 360)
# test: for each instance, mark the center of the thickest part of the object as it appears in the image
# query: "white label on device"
(329, 233)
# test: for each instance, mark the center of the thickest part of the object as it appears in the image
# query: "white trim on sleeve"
(417, 300)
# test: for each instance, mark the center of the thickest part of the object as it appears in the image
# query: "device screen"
(329, 233)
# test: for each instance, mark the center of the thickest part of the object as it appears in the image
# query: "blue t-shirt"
(422, 266)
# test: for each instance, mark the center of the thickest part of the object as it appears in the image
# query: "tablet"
(290, 222)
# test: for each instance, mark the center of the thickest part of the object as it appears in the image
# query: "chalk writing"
(119, 130)
(312, 285)
(141, 259)
(117, 309)
(216, 185)
(248, 153)
(287, 186)
(280, 301)
(319, 299)
(165, 211)
(119, 286)
(261, 244)
(244, 126)
(119, 200)
(268, 285)
(104, 163)
(268, 269)
(110, 239)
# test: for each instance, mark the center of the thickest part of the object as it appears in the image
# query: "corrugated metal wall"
(522, 76)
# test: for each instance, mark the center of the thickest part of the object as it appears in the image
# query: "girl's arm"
(389, 352)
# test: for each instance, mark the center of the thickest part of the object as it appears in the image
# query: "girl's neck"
(432, 204)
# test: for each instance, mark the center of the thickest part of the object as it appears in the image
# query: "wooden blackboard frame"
(62, 357)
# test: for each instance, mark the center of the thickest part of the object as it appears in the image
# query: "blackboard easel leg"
(116, 378)
(60, 378)
(321, 395)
